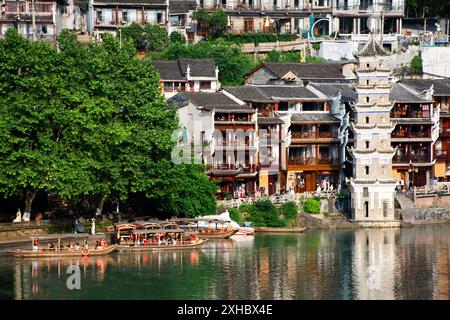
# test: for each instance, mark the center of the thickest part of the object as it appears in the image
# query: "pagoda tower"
(372, 186)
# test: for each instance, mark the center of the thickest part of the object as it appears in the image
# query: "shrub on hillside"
(263, 213)
(312, 205)
(235, 215)
(289, 210)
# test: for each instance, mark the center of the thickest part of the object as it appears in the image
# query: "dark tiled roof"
(372, 48)
(288, 92)
(181, 6)
(400, 93)
(307, 71)
(440, 86)
(169, 70)
(348, 94)
(176, 69)
(248, 93)
(269, 120)
(210, 100)
(199, 67)
(314, 118)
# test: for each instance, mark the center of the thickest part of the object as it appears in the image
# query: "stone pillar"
(428, 179)
(407, 180)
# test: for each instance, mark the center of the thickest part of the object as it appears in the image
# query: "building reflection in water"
(407, 263)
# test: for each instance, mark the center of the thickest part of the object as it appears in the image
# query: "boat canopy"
(158, 231)
(65, 235)
(124, 225)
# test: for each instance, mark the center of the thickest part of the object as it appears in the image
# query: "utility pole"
(33, 21)
(382, 22)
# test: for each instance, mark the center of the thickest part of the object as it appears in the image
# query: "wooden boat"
(215, 228)
(152, 239)
(57, 252)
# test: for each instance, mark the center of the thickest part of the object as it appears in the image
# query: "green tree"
(217, 23)
(177, 37)
(150, 37)
(235, 215)
(416, 65)
(263, 213)
(312, 205)
(289, 210)
(35, 122)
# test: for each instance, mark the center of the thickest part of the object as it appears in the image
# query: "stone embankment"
(319, 221)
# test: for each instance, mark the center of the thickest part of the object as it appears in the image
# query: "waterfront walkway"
(298, 198)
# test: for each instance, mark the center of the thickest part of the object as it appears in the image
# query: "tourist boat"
(245, 231)
(167, 237)
(208, 228)
(59, 250)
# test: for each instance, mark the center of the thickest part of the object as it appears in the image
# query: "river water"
(407, 263)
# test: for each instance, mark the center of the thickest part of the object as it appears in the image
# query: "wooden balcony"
(411, 134)
(314, 135)
(240, 168)
(413, 158)
(305, 161)
(442, 155)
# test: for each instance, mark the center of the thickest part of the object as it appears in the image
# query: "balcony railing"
(302, 161)
(414, 158)
(442, 155)
(410, 114)
(314, 135)
(234, 144)
(245, 168)
(411, 134)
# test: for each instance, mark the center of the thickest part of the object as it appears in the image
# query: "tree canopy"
(89, 120)
(151, 37)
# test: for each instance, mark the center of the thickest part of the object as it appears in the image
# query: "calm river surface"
(409, 263)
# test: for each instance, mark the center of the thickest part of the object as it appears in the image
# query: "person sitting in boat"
(50, 246)
(97, 245)
(77, 246)
(103, 243)
(35, 245)
(193, 238)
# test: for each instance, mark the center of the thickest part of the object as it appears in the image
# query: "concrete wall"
(436, 60)
(337, 50)
(432, 200)
(404, 57)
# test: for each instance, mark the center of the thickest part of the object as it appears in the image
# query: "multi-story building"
(110, 15)
(187, 75)
(359, 17)
(440, 89)
(269, 135)
(180, 12)
(416, 131)
(222, 131)
(281, 16)
(35, 20)
(372, 186)
(311, 141)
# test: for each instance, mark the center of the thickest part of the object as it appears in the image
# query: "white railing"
(442, 188)
(298, 198)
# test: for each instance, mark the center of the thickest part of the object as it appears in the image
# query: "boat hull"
(63, 253)
(124, 248)
(216, 235)
(245, 231)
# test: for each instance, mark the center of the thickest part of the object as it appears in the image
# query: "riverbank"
(279, 230)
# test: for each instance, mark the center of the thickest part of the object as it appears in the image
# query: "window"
(205, 85)
(367, 65)
(367, 119)
(367, 170)
(159, 17)
(365, 192)
(367, 144)
(248, 24)
(168, 86)
(367, 99)
(99, 16)
(313, 106)
(367, 82)
(366, 208)
(125, 16)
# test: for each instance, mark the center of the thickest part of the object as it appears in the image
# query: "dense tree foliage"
(427, 8)
(90, 120)
(232, 62)
(416, 65)
(177, 37)
(258, 37)
(151, 37)
(213, 24)
(312, 205)
(263, 213)
(290, 56)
